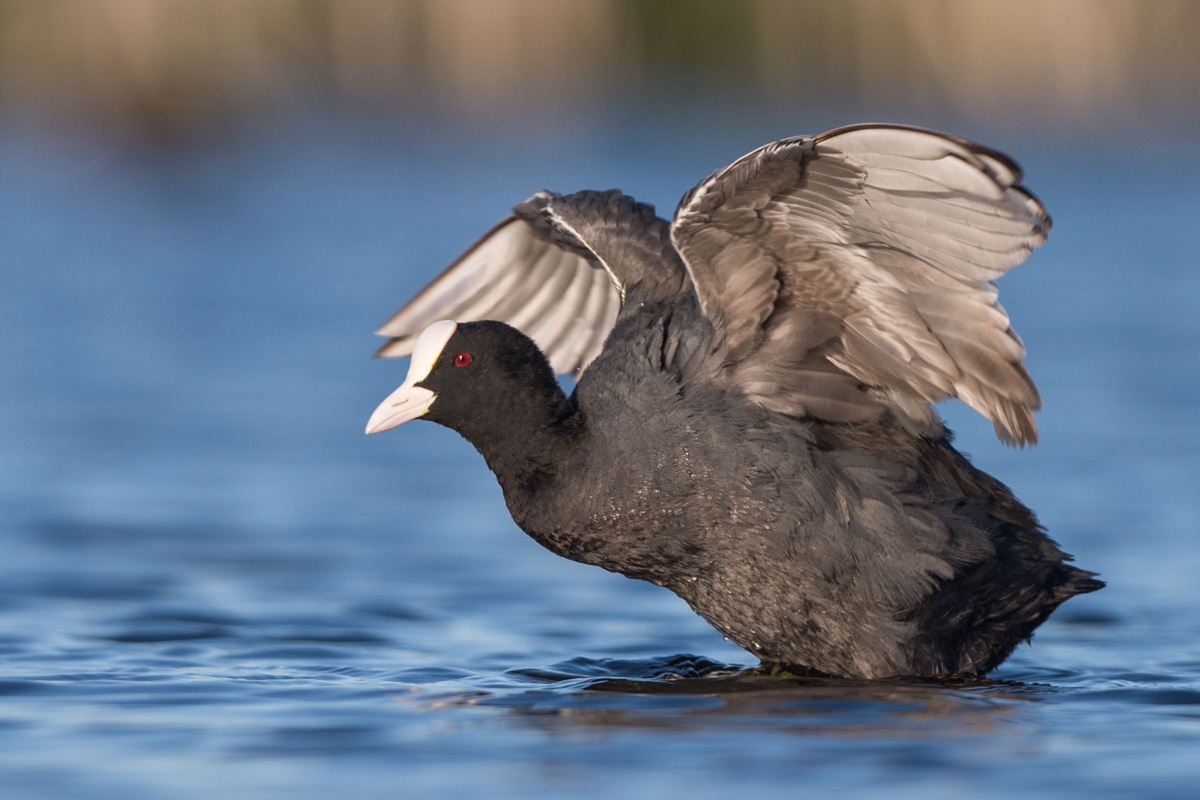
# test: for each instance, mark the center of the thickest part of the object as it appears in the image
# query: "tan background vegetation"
(176, 65)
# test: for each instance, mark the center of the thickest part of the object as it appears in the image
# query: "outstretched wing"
(556, 292)
(558, 269)
(854, 271)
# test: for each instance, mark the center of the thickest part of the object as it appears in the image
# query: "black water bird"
(752, 425)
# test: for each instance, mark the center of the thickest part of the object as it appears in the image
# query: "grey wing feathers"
(855, 270)
(549, 287)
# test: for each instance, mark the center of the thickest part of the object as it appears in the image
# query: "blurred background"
(210, 580)
(170, 69)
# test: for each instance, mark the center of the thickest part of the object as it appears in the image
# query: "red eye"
(462, 359)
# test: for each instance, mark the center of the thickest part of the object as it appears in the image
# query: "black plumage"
(752, 426)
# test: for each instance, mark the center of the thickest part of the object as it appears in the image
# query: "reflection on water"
(213, 583)
(689, 693)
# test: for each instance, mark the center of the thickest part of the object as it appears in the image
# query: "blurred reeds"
(179, 65)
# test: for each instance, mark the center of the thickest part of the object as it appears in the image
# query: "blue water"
(213, 585)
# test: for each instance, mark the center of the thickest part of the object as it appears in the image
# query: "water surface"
(213, 584)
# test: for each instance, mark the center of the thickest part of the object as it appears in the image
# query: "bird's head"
(466, 375)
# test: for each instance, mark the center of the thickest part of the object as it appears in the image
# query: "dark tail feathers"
(1075, 581)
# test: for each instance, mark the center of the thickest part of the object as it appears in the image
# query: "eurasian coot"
(752, 425)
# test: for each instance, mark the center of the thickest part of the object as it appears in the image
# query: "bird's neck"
(528, 438)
